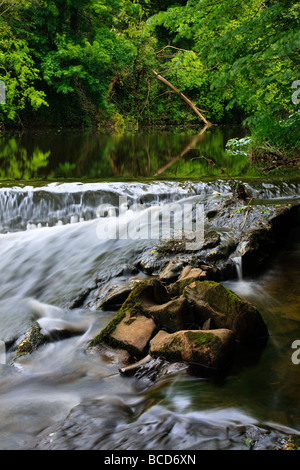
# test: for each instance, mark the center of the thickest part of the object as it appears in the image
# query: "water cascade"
(239, 266)
(50, 252)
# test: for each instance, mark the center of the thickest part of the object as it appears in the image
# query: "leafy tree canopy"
(251, 46)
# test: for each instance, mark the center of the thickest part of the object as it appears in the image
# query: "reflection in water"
(90, 155)
(17, 162)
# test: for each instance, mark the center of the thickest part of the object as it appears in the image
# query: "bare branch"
(182, 96)
(8, 8)
(173, 47)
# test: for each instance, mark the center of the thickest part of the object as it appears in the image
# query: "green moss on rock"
(31, 341)
(148, 291)
(226, 309)
(209, 349)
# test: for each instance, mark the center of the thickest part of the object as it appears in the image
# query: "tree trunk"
(182, 96)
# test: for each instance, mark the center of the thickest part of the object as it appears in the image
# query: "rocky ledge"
(201, 324)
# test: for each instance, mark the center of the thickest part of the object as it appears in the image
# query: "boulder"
(133, 334)
(30, 342)
(199, 327)
(173, 315)
(226, 310)
(133, 325)
(171, 271)
(190, 274)
(115, 297)
(208, 348)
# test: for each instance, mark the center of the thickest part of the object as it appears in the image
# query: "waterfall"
(239, 267)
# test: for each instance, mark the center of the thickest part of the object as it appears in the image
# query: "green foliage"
(17, 164)
(72, 47)
(17, 68)
(92, 60)
(250, 50)
(280, 133)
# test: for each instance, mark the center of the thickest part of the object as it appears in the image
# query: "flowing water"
(65, 397)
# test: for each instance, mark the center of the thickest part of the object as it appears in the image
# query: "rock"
(79, 300)
(115, 297)
(222, 252)
(171, 271)
(211, 348)
(190, 274)
(148, 307)
(212, 239)
(133, 334)
(198, 327)
(226, 310)
(30, 342)
(172, 316)
(113, 355)
(132, 320)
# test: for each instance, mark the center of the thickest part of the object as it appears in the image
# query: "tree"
(18, 70)
(73, 47)
(251, 49)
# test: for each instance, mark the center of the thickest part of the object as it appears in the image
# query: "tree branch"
(173, 47)
(8, 8)
(182, 96)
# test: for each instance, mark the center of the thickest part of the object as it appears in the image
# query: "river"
(65, 397)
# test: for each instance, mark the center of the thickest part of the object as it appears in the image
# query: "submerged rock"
(31, 341)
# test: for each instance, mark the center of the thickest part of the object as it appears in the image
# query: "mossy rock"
(133, 334)
(30, 342)
(115, 297)
(211, 348)
(226, 310)
(149, 304)
(190, 274)
(172, 316)
(146, 293)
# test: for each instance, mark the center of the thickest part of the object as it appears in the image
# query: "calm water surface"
(90, 155)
